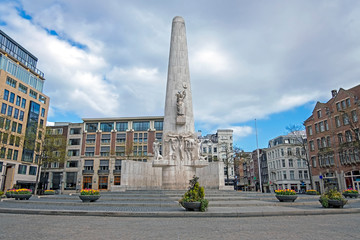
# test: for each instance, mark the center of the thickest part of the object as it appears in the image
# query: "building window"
(32, 170)
(106, 127)
(338, 106)
(23, 103)
(312, 147)
(337, 121)
(343, 104)
(104, 165)
(141, 125)
(10, 110)
(72, 164)
(89, 165)
(283, 162)
(10, 81)
(120, 150)
(87, 182)
(319, 113)
(306, 176)
(22, 169)
(6, 95)
(121, 126)
(313, 160)
(90, 139)
(42, 99)
(354, 116)
(348, 136)
(292, 176)
(104, 151)
(322, 127)
(118, 165)
(1, 165)
(328, 141)
(158, 125)
(74, 141)
(23, 88)
(16, 113)
(12, 97)
(73, 153)
(89, 151)
(91, 127)
(9, 154)
(103, 182)
(33, 94)
(3, 108)
(291, 163)
(299, 163)
(21, 116)
(43, 112)
(300, 175)
(14, 126)
(340, 138)
(120, 137)
(117, 180)
(70, 181)
(309, 130)
(345, 119)
(75, 131)
(316, 128)
(284, 175)
(158, 136)
(105, 138)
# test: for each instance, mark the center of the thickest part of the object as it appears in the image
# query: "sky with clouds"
(264, 60)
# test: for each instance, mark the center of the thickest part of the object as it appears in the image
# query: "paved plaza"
(157, 215)
(81, 227)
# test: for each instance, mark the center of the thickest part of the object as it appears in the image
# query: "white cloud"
(251, 61)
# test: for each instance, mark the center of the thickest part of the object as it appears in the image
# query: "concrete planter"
(22, 196)
(89, 198)
(336, 203)
(191, 206)
(350, 195)
(286, 198)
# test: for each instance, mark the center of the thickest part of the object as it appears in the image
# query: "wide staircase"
(153, 201)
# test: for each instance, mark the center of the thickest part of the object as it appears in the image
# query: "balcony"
(84, 172)
(103, 172)
(117, 171)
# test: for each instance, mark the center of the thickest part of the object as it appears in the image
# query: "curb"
(180, 213)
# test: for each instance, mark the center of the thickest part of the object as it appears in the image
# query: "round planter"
(89, 198)
(191, 206)
(47, 193)
(351, 195)
(336, 203)
(22, 196)
(9, 195)
(286, 198)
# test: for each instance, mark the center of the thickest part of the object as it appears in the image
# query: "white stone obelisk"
(180, 146)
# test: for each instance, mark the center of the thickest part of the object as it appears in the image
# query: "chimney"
(333, 93)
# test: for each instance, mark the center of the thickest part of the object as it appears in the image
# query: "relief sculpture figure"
(180, 102)
(156, 148)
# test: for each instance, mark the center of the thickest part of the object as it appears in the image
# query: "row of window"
(209, 150)
(289, 152)
(23, 170)
(104, 165)
(282, 175)
(7, 124)
(8, 110)
(120, 138)
(102, 180)
(123, 126)
(325, 142)
(301, 163)
(343, 104)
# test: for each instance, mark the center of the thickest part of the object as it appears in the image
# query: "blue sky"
(265, 60)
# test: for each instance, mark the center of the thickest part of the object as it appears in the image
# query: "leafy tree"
(53, 150)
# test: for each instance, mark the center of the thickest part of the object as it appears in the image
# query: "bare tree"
(298, 132)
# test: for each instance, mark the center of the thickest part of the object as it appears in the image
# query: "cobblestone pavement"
(15, 226)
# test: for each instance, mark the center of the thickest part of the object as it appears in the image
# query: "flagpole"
(258, 156)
